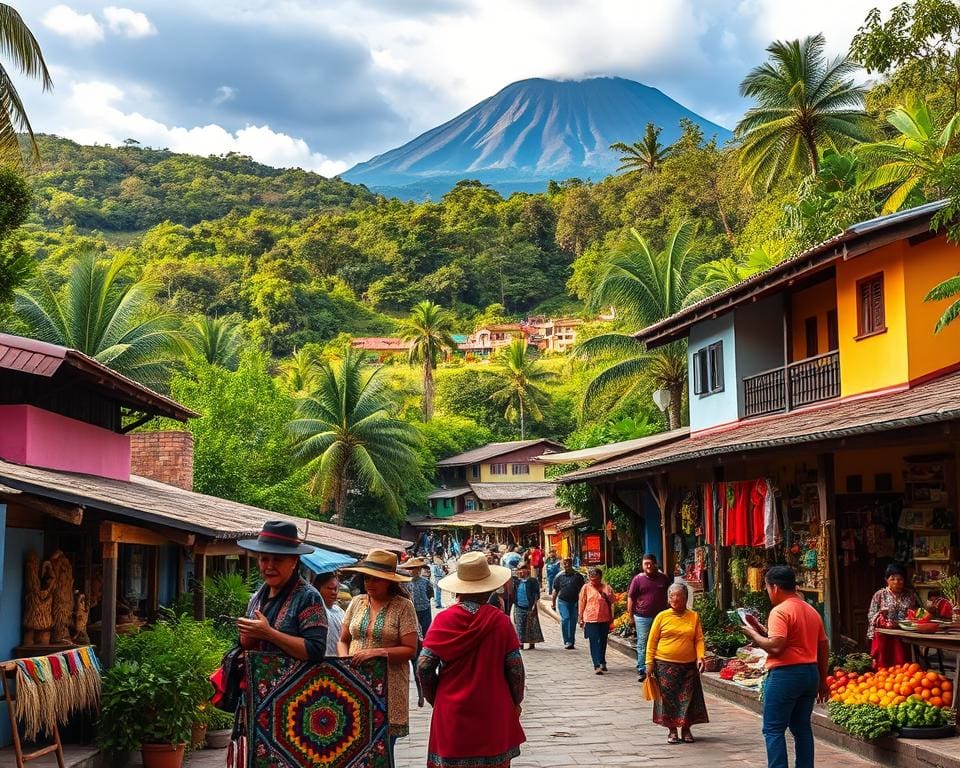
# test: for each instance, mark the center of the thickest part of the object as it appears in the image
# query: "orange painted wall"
(926, 265)
(879, 361)
(815, 301)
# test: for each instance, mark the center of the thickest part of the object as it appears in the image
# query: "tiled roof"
(928, 403)
(611, 450)
(448, 493)
(512, 491)
(492, 450)
(523, 513)
(380, 344)
(148, 501)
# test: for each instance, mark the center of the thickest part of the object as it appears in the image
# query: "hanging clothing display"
(741, 514)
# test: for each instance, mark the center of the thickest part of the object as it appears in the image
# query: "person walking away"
(797, 653)
(535, 556)
(383, 622)
(526, 614)
(421, 591)
(472, 674)
(328, 585)
(437, 571)
(566, 601)
(595, 614)
(674, 661)
(553, 567)
(646, 598)
(511, 559)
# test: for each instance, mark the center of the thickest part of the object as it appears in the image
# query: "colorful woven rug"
(329, 714)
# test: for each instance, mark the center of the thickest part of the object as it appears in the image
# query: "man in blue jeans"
(646, 597)
(566, 599)
(797, 649)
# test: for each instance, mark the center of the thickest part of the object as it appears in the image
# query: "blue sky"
(322, 85)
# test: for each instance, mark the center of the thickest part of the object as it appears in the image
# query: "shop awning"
(325, 561)
(612, 450)
(930, 403)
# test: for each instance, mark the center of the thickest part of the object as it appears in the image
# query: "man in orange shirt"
(797, 649)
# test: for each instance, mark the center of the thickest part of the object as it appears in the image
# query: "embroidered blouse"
(384, 630)
(896, 606)
(297, 610)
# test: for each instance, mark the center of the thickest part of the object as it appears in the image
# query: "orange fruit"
(927, 683)
(946, 685)
(932, 677)
(913, 668)
(936, 701)
(925, 694)
(935, 691)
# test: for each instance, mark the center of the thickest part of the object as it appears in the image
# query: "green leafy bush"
(759, 603)
(712, 617)
(618, 577)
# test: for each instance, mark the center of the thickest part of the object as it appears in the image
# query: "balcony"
(807, 381)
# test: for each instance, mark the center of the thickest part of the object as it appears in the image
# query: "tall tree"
(645, 287)
(645, 155)
(18, 44)
(805, 103)
(428, 331)
(350, 439)
(911, 161)
(105, 314)
(216, 340)
(520, 377)
(299, 374)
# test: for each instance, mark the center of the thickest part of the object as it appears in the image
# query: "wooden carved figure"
(81, 615)
(62, 598)
(37, 601)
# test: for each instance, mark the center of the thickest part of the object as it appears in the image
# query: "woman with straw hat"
(383, 622)
(476, 699)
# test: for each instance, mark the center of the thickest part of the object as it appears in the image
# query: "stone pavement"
(573, 717)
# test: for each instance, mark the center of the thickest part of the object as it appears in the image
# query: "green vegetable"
(865, 721)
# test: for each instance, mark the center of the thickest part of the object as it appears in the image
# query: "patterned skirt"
(527, 624)
(681, 703)
(494, 761)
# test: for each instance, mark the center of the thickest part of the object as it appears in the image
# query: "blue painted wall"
(17, 542)
(653, 543)
(759, 330)
(719, 407)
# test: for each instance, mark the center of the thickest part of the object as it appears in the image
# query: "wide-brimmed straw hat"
(379, 563)
(474, 575)
(277, 538)
(413, 562)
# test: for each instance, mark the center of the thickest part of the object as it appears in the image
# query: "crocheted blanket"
(305, 714)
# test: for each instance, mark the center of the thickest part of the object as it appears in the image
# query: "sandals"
(673, 739)
(688, 739)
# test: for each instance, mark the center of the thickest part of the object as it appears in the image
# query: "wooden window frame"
(499, 468)
(811, 333)
(708, 369)
(520, 469)
(877, 314)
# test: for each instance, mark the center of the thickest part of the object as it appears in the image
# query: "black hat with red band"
(277, 538)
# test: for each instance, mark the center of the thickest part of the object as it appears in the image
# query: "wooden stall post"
(199, 575)
(108, 605)
(722, 587)
(603, 536)
(826, 497)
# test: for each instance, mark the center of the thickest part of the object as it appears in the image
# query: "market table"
(944, 640)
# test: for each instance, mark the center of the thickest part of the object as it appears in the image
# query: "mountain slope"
(528, 133)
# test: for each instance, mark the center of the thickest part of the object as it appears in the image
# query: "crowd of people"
(467, 658)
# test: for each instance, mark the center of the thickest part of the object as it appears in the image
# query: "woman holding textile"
(476, 698)
(675, 659)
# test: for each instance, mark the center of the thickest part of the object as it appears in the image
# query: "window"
(498, 469)
(810, 330)
(475, 471)
(708, 369)
(833, 331)
(870, 316)
(521, 469)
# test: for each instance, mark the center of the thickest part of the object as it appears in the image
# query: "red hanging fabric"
(757, 499)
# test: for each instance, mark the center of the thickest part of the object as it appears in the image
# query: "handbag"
(651, 688)
(227, 681)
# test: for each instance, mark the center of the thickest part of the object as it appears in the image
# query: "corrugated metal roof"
(609, 451)
(932, 402)
(38, 358)
(512, 491)
(151, 502)
(523, 513)
(492, 450)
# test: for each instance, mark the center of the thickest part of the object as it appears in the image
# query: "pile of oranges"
(890, 686)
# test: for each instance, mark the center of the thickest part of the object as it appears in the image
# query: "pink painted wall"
(39, 438)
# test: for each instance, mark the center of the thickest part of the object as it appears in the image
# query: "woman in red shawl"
(476, 698)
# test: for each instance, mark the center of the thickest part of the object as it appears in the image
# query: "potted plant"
(219, 728)
(152, 697)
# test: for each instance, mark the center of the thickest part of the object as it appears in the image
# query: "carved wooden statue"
(38, 589)
(62, 598)
(81, 615)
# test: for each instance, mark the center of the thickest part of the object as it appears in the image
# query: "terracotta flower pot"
(198, 735)
(162, 755)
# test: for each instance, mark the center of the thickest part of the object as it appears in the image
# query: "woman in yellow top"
(675, 654)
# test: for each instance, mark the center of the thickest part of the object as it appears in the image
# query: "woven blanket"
(305, 714)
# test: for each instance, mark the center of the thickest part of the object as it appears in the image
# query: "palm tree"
(520, 376)
(948, 289)
(805, 103)
(646, 155)
(645, 287)
(106, 315)
(349, 438)
(300, 375)
(428, 331)
(18, 43)
(216, 340)
(912, 159)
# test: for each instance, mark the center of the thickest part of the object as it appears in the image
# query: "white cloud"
(79, 28)
(224, 93)
(95, 118)
(128, 23)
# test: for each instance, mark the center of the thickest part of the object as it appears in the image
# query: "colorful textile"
(473, 675)
(296, 610)
(306, 714)
(527, 624)
(681, 703)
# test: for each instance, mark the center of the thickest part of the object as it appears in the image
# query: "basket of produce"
(712, 663)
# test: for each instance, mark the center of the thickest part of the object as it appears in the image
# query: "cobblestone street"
(573, 717)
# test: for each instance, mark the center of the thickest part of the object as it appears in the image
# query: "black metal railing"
(807, 381)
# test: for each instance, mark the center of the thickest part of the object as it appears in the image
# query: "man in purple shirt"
(646, 597)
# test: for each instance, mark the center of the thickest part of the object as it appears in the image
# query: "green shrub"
(759, 603)
(618, 577)
(712, 617)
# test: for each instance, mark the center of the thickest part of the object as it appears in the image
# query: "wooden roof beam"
(122, 533)
(68, 513)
